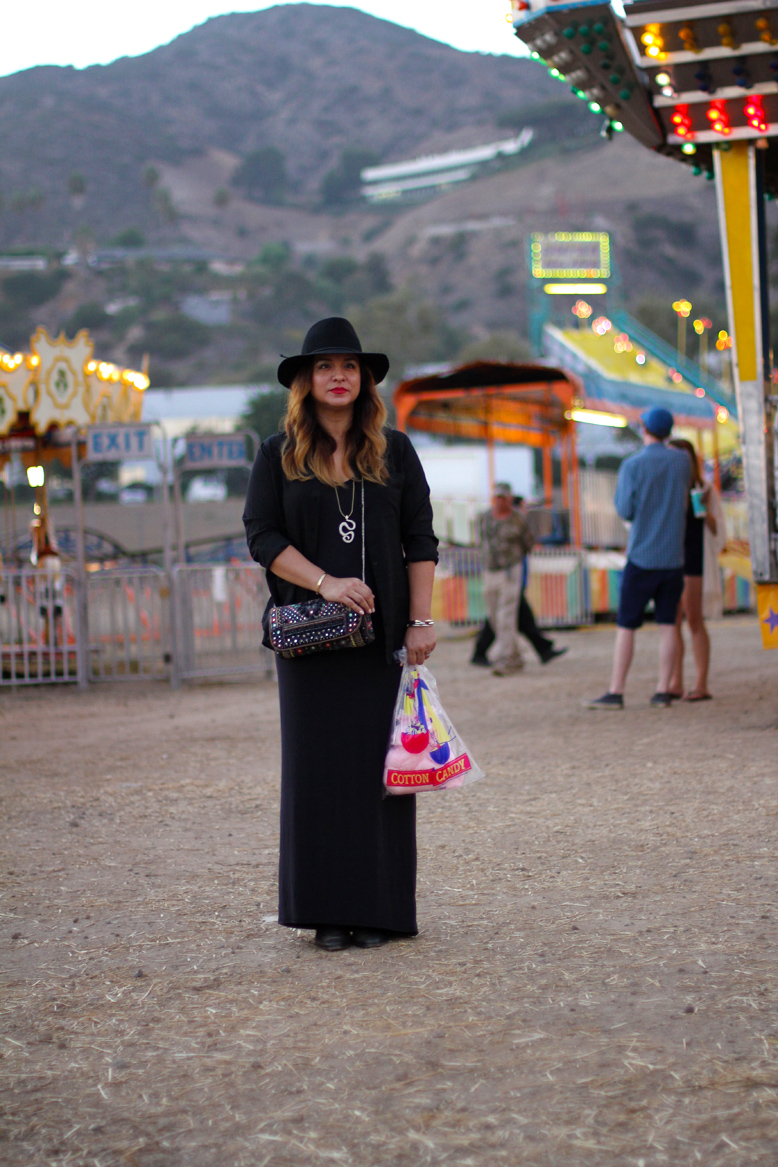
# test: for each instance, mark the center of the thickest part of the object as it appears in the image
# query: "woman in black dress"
(335, 483)
(691, 605)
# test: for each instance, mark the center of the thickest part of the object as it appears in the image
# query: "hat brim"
(377, 363)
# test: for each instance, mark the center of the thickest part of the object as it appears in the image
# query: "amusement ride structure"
(697, 82)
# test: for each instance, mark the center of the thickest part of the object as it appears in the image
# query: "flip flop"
(699, 697)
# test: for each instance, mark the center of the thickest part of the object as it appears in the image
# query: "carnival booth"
(540, 405)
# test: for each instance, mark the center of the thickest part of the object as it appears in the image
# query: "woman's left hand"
(419, 643)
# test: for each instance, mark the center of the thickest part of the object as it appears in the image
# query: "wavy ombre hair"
(308, 449)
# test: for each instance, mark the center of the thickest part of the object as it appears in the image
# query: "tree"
(341, 184)
(407, 329)
(163, 205)
(500, 346)
(76, 184)
(130, 237)
(29, 289)
(264, 412)
(89, 315)
(275, 256)
(172, 337)
(76, 190)
(262, 174)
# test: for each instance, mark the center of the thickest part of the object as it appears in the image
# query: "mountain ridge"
(237, 82)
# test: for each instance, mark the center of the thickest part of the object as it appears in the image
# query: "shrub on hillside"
(172, 337)
(130, 237)
(262, 175)
(342, 183)
(29, 289)
(90, 315)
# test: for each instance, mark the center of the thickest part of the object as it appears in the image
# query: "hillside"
(150, 148)
(310, 81)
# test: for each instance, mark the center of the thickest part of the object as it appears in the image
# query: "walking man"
(543, 645)
(505, 538)
(652, 492)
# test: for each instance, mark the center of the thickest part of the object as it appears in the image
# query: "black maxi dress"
(347, 854)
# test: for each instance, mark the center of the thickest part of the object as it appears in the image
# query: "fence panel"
(600, 523)
(129, 624)
(38, 628)
(557, 590)
(219, 620)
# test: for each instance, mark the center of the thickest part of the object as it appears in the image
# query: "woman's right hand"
(350, 591)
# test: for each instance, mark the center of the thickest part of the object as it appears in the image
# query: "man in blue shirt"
(652, 493)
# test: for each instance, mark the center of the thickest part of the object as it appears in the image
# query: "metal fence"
(219, 621)
(39, 628)
(600, 523)
(128, 615)
(557, 589)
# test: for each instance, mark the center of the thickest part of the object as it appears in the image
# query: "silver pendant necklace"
(348, 526)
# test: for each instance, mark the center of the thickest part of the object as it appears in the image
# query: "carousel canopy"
(60, 383)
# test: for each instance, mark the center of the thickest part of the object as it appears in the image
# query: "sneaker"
(661, 700)
(552, 654)
(607, 701)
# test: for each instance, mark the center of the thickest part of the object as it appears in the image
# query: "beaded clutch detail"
(317, 626)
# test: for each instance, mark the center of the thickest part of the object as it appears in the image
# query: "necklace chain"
(337, 497)
(348, 526)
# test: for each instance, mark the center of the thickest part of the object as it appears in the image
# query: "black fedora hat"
(333, 335)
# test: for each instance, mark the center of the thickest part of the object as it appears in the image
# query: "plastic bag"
(425, 751)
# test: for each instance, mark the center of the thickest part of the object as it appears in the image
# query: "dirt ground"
(594, 982)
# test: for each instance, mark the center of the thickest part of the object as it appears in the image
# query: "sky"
(90, 32)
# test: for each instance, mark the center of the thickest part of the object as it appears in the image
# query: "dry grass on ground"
(594, 983)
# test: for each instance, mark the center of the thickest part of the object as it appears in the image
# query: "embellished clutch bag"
(317, 626)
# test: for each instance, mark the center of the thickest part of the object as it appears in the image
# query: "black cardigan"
(398, 526)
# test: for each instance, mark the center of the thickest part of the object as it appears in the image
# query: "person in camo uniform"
(504, 537)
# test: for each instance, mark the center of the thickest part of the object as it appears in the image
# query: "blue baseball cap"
(658, 421)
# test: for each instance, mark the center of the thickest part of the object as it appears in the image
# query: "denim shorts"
(639, 585)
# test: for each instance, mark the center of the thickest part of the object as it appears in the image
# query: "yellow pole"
(741, 223)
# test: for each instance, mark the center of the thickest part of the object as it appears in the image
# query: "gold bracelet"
(319, 582)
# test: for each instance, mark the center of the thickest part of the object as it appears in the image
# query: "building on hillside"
(425, 177)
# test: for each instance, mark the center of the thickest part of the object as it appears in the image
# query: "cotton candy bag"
(425, 751)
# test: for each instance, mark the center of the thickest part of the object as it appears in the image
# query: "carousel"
(48, 397)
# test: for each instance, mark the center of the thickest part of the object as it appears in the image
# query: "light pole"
(682, 308)
(701, 327)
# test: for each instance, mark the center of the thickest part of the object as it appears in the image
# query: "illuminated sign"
(570, 255)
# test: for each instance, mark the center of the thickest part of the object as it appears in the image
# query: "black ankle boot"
(332, 939)
(369, 937)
